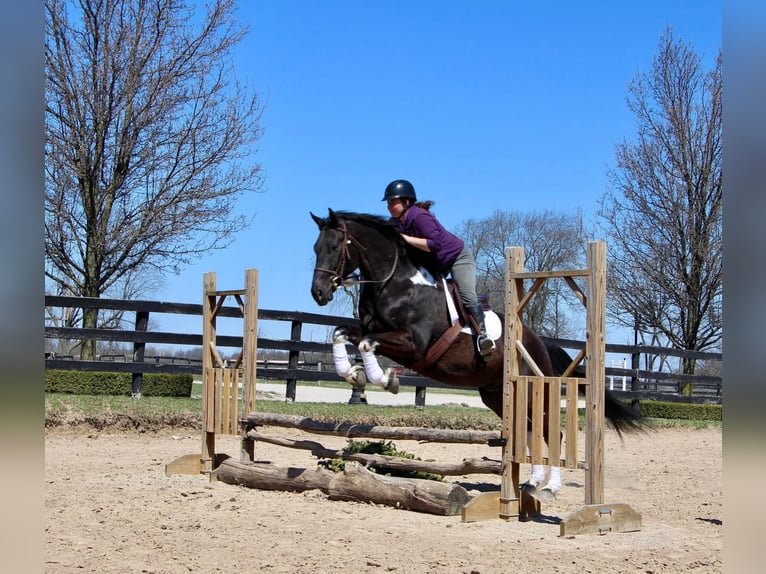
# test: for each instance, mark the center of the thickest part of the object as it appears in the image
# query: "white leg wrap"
(340, 358)
(538, 474)
(371, 366)
(538, 470)
(354, 374)
(386, 379)
(554, 479)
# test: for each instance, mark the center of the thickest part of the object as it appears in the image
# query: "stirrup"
(484, 345)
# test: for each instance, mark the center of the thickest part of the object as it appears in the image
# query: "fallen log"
(466, 466)
(267, 476)
(351, 430)
(355, 483)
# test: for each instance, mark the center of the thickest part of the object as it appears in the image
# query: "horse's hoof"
(340, 335)
(529, 488)
(357, 377)
(392, 386)
(367, 345)
(532, 491)
(545, 493)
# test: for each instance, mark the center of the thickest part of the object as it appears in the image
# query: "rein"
(338, 278)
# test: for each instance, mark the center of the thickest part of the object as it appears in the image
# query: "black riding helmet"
(400, 189)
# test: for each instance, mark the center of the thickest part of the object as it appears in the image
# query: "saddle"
(464, 318)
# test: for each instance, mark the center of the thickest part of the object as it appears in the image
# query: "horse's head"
(336, 257)
(349, 241)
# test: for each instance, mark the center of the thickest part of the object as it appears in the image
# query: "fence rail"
(643, 384)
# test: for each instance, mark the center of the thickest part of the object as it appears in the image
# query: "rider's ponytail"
(425, 204)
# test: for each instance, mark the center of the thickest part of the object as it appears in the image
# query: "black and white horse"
(404, 314)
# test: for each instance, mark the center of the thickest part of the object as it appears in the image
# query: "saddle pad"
(491, 320)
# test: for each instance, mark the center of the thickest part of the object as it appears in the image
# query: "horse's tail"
(624, 419)
(561, 360)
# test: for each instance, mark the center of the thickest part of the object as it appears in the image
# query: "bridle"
(337, 274)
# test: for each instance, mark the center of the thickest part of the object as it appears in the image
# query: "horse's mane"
(383, 225)
(390, 230)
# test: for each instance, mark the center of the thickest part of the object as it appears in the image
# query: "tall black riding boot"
(484, 343)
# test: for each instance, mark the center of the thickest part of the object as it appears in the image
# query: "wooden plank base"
(486, 506)
(601, 519)
(186, 464)
(190, 464)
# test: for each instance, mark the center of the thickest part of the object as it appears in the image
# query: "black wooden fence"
(643, 384)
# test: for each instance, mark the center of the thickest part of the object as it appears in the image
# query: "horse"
(403, 316)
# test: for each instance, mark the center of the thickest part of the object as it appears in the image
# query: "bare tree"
(149, 141)
(663, 211)
(550, 240)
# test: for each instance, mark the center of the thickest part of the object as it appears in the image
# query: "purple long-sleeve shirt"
(444, 246)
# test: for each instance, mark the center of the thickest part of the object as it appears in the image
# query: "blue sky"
(482, 105)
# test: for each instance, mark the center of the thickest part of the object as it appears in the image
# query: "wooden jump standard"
(519, 391)
(221, 383)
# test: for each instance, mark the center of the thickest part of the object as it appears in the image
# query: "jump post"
(595, 516)
(222, 408)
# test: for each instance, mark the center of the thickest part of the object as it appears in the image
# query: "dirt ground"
(110, 508)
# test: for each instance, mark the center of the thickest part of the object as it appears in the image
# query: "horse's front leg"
(386, 379)
(354, 374)
(393, 344)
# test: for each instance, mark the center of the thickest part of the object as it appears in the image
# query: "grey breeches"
(463, 273)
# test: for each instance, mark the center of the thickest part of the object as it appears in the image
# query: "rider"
(421, 229)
